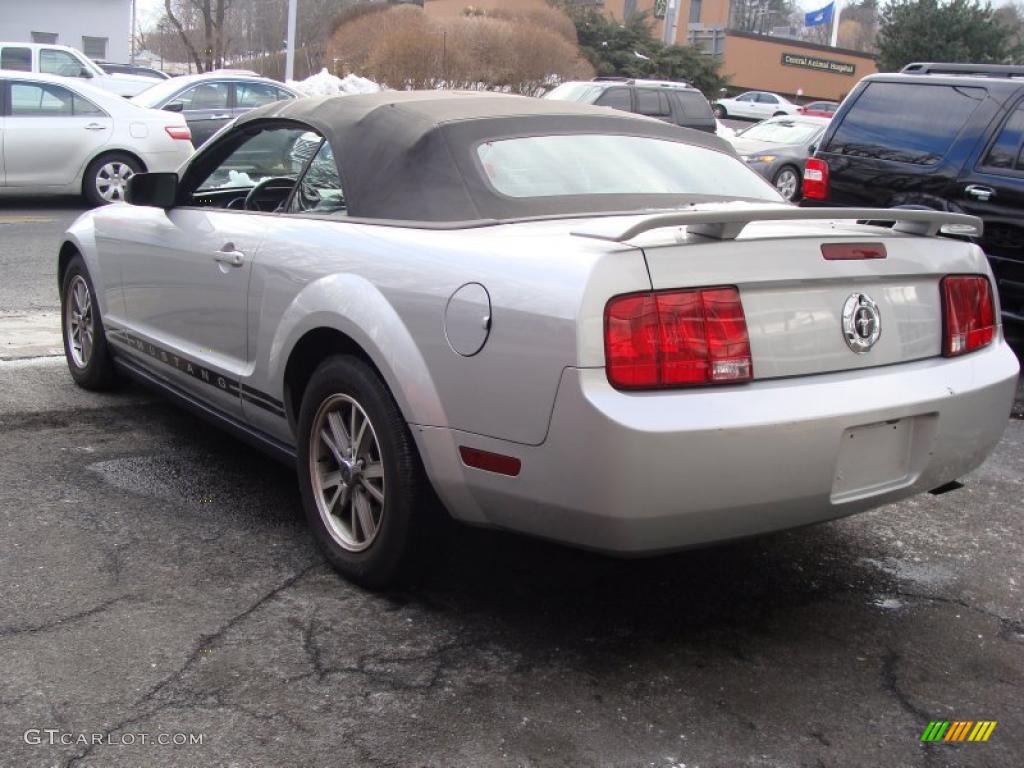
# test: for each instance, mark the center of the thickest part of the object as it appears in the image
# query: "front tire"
(363, 487)
(85, 342)
(106, 178)
(787, 183)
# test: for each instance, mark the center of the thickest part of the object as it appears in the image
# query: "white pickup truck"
(67, 62)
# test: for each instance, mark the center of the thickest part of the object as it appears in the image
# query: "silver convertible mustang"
(556, 319)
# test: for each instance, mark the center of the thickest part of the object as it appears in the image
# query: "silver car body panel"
(821, 432)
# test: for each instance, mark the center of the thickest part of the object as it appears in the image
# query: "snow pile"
(323, 83)
(723, 130)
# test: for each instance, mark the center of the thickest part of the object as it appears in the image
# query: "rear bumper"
(651, 472)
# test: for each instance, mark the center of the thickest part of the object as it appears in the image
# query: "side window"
(319, 190)
(250, 95)
(767, 98)
(651, 102)
(41, 100)
(1005, 153)
(616, 98)
(694, 104)
(56, 62)
(17, 59)
(269, 153)
(905, 122)
(84, 108)
(747, 97)
(205, 96)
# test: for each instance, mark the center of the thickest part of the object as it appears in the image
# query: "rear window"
(782, 131)
(18, 59)
(905, 122)
(598, 164)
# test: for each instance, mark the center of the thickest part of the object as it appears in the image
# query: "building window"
(94, 47)
(628, 9)
(695, 11)
(46, 38)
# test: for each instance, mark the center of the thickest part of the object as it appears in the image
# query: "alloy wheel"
(81, 329)
(786, 183)
(112, 180)
(347, 472)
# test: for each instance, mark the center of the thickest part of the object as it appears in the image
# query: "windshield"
(156, 95)
(597, 164)
(585, 93)
(782, 131)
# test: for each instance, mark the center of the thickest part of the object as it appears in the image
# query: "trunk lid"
(794, 299)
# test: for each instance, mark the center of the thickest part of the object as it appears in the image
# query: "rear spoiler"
(727, 223)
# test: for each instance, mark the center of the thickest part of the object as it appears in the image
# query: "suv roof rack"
(980, 70)
(642, 81)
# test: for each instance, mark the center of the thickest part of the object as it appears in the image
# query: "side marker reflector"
(490, 462)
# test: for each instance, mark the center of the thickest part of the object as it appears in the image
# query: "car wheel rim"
(112, 180)
(346, 469)
(81, 329)
(786, 184)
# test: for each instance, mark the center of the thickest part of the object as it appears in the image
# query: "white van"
(67, 62)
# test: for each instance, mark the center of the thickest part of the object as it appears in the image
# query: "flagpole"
(835, 23)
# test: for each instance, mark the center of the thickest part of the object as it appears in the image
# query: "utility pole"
(131, 54)
(289, 56)
(669, 23)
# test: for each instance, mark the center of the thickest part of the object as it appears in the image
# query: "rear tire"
(720, 112)
(106, 179)
(85, 342)
(366, 499)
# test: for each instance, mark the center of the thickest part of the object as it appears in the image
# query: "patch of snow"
(323, 83)
(723, 130)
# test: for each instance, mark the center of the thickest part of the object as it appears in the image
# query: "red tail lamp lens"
(969, 314)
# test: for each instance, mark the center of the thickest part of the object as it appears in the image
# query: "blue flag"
(820, 16)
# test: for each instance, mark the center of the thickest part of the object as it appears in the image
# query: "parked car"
(113, 68)
(671, 102)
(818, 109)
(67, 62)
(941, 136)
(754, 105)
(63, 136)
(563, 320)
(778, 147)
(211, 101)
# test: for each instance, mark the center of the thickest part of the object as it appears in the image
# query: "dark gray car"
(211, 101)
(778, 147)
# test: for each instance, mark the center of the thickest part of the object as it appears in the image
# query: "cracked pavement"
(158, 577)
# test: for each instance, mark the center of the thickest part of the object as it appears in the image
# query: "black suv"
(943, 136)
(672, 102)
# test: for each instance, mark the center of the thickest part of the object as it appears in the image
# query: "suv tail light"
(180, 132)
(968, 313)
(661, 339)
(815, 179)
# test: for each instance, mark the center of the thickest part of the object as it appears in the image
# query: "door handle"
(228, 255)
(95, 127)
(219, 117)
(979, 191)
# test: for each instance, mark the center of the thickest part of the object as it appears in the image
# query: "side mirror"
(86, 73)
(812, 149)
(174, 106)
(159, 190)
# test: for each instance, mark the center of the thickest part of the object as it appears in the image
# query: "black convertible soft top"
(410, 155)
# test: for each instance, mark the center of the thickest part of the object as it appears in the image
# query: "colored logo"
(958, 730)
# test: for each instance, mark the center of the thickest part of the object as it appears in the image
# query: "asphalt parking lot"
(158, 579)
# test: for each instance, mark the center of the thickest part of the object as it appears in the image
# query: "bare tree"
(212, 14)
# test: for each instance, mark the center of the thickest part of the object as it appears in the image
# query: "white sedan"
(63, 136)
(755, 105)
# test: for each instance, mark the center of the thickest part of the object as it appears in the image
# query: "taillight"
(179, 132)
(815, 179)
(676, 339)
(968, 312)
